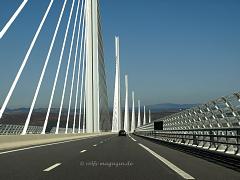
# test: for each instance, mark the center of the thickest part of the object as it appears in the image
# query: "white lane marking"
(83, 151)
(12, 19)
(52, 167)
(43, 145)
(101, 142)
(95, 145)
(168, 163)
(132, 138)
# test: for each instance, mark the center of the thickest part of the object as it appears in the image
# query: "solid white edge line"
(83, 151)
(132, 138)
(168, 163)
(43, 145)
(52, 167)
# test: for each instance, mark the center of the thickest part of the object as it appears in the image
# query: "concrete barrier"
(18, 141)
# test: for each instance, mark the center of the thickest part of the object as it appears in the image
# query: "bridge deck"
(91, 158)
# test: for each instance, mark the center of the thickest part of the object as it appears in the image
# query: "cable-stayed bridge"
(77, 138)
(85, 52)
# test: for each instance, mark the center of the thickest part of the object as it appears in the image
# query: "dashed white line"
(95, 145)
(168, 163)
(101, 142)
(52, 167)
(83, 151)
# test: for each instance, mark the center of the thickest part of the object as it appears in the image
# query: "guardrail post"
(194, 138)
(212, 143)
(238, 142)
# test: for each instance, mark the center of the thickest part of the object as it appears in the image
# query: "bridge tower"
(116, 120)
(144, 115)
(133, 123)
(126, 115)
(97, 114)
(149, 117)
(139, 114)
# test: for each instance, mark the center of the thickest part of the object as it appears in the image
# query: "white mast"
(126, 116)
(144, 116)
(149, 120)
(133, 114)
(92, 73)
(139, 114)
(116, 121)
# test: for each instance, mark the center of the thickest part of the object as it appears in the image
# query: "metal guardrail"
(213, 126)
(9, 129)
(225, 140)
(222, 112)
(62, 130)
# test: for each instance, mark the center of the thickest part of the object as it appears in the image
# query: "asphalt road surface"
(108, 157)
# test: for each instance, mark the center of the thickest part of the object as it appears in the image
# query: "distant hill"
(167, 107)
(170, 107)
(39, 110)
(17, 110)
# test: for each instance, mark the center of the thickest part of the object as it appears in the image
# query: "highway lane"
(108, 157)
(29, 164)
(199, 168)
(101, 162)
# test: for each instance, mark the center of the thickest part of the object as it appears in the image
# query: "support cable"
(74, 69)
(66, 75)
(25, 60)
(82, 83)
(84, 112)
(78, 78)
(56, 76)
(43, 72)
(12, 19)
(60, 111)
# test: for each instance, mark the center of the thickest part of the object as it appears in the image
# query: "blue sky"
(184, 51)
(175, 51)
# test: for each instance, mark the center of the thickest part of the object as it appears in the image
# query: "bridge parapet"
(11, 129)
(212, 126)
(225, 140)
(222, 112)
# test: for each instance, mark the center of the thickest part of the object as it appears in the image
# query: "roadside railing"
(9, 129)
(225, 140)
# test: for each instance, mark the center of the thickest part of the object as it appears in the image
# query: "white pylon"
(116, 120)
(149, 119)
(144, 115)
(139, 114)
(126, 116)
(133, 124)
(92, 71)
